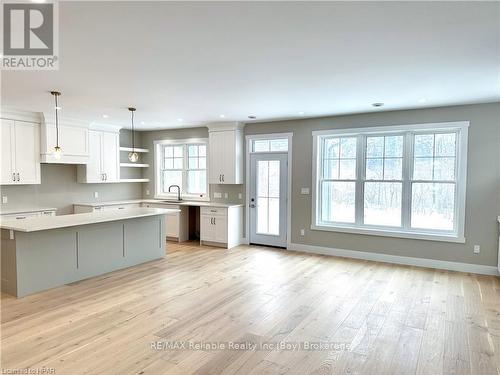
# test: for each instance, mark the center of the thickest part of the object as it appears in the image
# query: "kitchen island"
(44, 252)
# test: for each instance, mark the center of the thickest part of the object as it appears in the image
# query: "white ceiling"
(274, 60)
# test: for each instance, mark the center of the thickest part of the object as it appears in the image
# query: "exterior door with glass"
(268, 199)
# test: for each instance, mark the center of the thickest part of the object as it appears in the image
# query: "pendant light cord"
(57, 122)
(133, 139)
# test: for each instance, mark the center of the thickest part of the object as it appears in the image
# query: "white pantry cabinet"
(226, 156)
(103, 164)
(20, 152)
(73, 140)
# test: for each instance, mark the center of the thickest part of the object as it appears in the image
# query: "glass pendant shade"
(57, 153)
(133, 157)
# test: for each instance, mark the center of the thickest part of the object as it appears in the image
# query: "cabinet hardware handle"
(18, 178)
(13, 177)
(214, 220)
(222, 178)
(105, 176)
(20, 217)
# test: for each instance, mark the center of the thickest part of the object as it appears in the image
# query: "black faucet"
(178, 191)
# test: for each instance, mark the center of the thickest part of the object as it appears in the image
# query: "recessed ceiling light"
(252, 117)
(142, 123)
(105, 116)
(377, 104)
(180, 119)
(58, 108)
(422, 100)
(301, 113)
(38, 1)
(222, 116)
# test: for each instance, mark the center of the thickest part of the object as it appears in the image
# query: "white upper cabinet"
(103, 164)
(73, 140)
(226, 155)
(20, 153)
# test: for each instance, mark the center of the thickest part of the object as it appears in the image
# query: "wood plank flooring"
(371, 318)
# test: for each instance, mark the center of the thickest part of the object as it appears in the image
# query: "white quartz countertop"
(159, 201)
(63, 221)
(22, 210)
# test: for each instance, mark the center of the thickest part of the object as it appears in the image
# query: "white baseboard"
(409, 261)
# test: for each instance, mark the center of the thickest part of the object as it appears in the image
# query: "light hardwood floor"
(381, 318)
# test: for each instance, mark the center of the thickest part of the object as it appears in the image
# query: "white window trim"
(434, 235)
(157, 164)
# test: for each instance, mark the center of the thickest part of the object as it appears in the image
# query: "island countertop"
(63, 221)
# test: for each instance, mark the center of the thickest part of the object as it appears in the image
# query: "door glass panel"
(268, 193)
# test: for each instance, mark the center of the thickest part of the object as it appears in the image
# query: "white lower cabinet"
(176, 223)
(221, 226)
(27, 215)
(80, 209)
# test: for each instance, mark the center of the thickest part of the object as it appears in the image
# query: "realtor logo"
(29, 36)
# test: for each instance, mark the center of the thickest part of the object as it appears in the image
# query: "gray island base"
(43, 253)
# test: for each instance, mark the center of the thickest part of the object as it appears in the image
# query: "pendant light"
(133, 156)
(57, 152)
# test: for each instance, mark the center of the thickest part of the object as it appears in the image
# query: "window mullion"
(360, 176)
(407, 184)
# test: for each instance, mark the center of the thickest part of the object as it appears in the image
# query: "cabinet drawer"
(21, 216)
(214, 211)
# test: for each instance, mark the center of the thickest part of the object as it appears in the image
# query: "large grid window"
(407, 182)
(182, 164)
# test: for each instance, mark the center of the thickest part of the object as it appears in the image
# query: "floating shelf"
(134, 180)
(134, 165)
(130, 149)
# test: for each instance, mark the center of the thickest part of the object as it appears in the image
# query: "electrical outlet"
(240, 196)
(302, 232)
(5, 199)
(304, 191)
(147, 192)
(226, 195)
(477, 249)
(96, 194)
(217, 195)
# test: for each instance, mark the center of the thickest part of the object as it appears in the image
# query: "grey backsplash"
(59, 189)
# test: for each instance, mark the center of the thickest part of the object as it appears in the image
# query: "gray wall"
(483, 182)
(59, 188)
(147, 141)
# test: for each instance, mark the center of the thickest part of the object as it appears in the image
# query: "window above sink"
(182, 163)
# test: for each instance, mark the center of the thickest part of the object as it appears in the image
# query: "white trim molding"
(397, 259)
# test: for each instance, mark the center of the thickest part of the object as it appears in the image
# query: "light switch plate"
(240, 196)
(477, 249)
(147, 192)
(304, 191)
(96, 194)
(5, 199)
(217, 195)
(226, 195)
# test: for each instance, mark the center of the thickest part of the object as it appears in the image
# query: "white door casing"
(268, 199)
